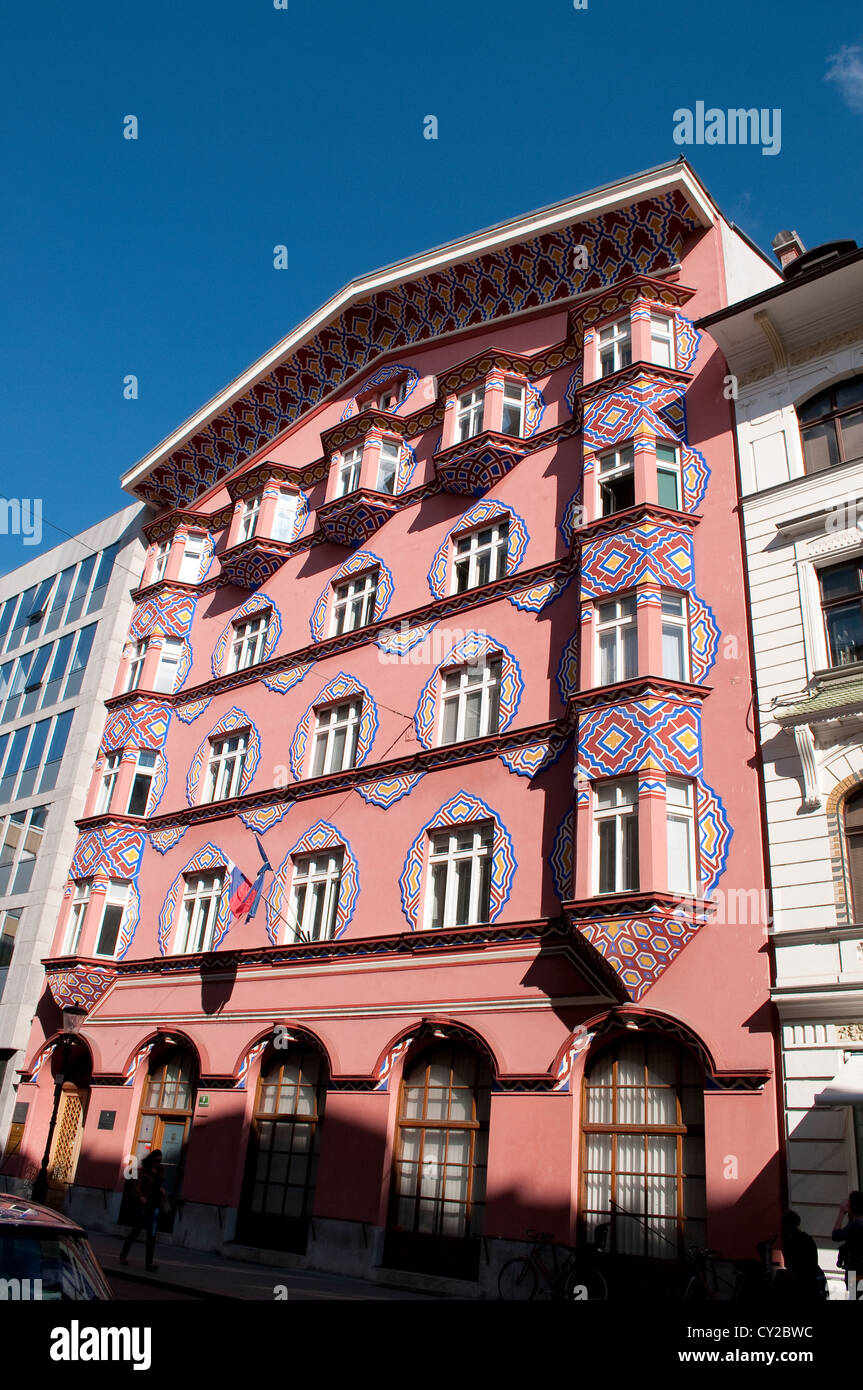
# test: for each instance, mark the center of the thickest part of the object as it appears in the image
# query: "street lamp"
(73, 1017)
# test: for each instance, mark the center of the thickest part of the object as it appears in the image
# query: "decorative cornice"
(640, 687)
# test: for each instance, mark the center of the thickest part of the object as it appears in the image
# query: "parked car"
(45, 1257)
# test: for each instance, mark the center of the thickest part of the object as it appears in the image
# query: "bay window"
(112, 915)
(668, 476)
(169, 664)
(469, 414)
(831, 426)
(76, 917)
(617, 480)
(284, 519)
(108, 782)
(512, 421)
(349, 471)
(136, 666)
(681, 836)
(249, 514)
(142, 781)
(842, 605)
(387, 466)
(617, 640)
(190, 565)
(662, 340)
(675, 637)
(615, 346)
(616, 836)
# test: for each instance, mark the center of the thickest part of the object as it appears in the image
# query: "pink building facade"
(444, 613)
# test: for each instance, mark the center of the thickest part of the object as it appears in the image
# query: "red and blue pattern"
(321, 836)
(341, 687)
(399, 641)
(564, 1064)
(651, 733)
(359, 563)
(286, 680)
(386, 791)
(264, 818)
(81, 987)
(233, 720)
(475, 518)
(615, 415)
(461, 809)
(388, 1062)
(539, 596)
(111, 850)
(655, 552)
(532, 758)
(163, 840)
(469, 651)
(640, 949)
(567, 669)
(191, 711)
(168, 614)
(561, 858)
(143, 724)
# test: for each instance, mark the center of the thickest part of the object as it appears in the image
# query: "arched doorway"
(282, 1159)
(164, 1121)
(437, 1192)
(643, 1166)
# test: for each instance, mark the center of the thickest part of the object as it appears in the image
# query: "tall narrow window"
(284, 520)
(615, 347)
(460, 863)
(200, 909)
(439, 1172)
(617, 480)
(160, 561)
(387, 467)
(29, 848)
(315, 896)
(225, 769)
(142, 782)
(249, 518)
(681, 836)
(33, 758)
(481, 557)
(107, 782)
(662, 340)
(78, 664)
(469, 414)
(675, 637)
(470, 701)
(57, 670)
(54, 616)
(616, 821)
(617, 640)
(76, 917)
(56, 749)
(247, 644)
(643, 1151)
(8, 929)
(103, 578)
(190, 565)
(168, 668)
(35, 677)
(136, 665)
(668, 476)
(853, 822)
(354, 603)
(112, 916)
(513, 410)
(81, 589)
(335, 743)
(350, 466)
(831, 425)
(842, 605)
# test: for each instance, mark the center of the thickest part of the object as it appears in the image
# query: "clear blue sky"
(303, 126)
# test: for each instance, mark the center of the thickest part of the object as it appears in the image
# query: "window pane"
(851, 429)
(845, 633)
(820, 449)
(672, 653)
(667, 485)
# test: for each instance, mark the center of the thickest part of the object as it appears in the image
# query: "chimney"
(787, 246)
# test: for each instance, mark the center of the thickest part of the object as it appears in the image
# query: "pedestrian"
(150, 1196)
(849, 1230)
(807, 1279)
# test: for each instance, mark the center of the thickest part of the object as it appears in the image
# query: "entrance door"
(167, 1104)
(65, 1146)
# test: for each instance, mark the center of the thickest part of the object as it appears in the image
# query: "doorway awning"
(846, 1088)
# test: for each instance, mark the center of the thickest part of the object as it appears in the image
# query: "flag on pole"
(258, 885)
(241, 893)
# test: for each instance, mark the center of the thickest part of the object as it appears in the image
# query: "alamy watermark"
(21, 516)
(736, 126)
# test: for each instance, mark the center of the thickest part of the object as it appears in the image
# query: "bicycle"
(571, 1277)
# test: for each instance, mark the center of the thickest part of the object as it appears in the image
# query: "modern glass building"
(63, 620)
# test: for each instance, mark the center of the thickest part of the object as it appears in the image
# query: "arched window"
(853, 817)
(643, 1148)
(831, 425)
(282, 1163)
(438, 1186)
(167, 1106)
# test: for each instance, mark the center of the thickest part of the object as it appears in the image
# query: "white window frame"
(619, 624)
(116, 896)
(225, 765)
(662, 337)
(199, 909)
(160, 561)
(671, 466)
(458, 687)
(330, 722)
(680, 810)
(350, 465)
(679, 622)
(615, 338)
(285, 516)
(622, 807)
(387, 475)
(356, 597)
(469, 551)
(136, 666)
(611, 466)
(392, 396)
(169, 664)
(249, 639)
(513, 400)
(470, 413)
(193, 555)
(444, 852)
(249, 515)
(142, 767)
(77, 911)
(310, 885)
(107, 783)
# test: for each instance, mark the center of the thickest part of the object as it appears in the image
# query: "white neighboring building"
(64, 618)
(797, 354)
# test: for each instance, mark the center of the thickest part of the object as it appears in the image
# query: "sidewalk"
(212, 1276)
